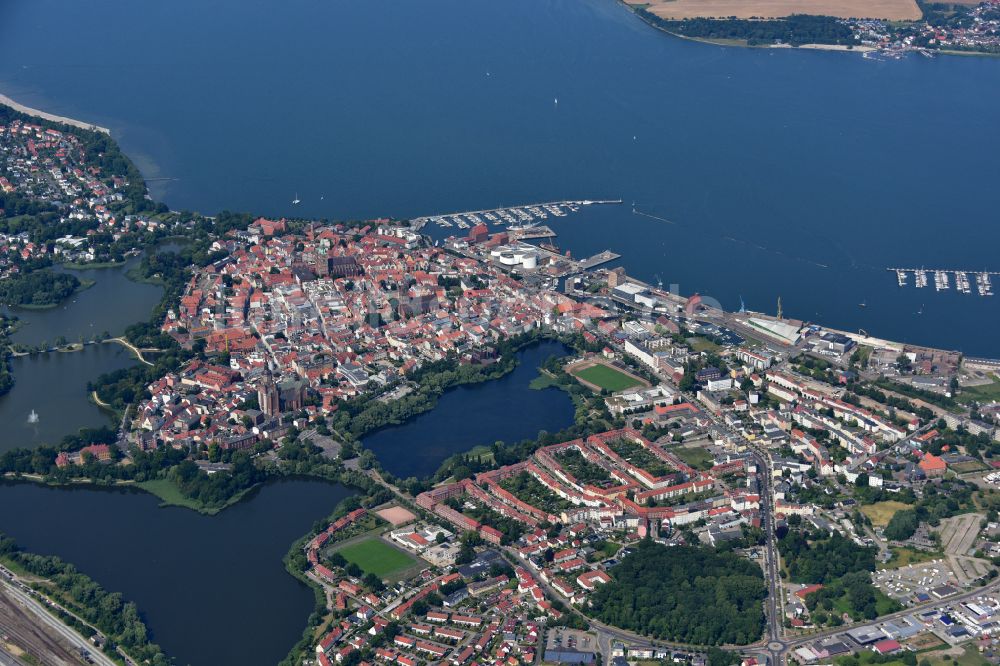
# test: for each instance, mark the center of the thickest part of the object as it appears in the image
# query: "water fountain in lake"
(33, 417)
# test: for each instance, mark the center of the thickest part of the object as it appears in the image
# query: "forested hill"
(685, 594)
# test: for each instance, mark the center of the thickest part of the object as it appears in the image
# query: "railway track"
(22, 634)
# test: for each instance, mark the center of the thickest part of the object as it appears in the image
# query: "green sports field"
(606, 377)
(375, 556)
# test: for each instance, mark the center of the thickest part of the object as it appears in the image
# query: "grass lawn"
(695, 456)
(609, 548)
(902, 557)
(480, 452)
(970, 657)
(984, 393)
(19, 570)
(884, 604)
(542, 382)
(606, 377)
(968, 466)
(699, 344)
(171, 496)
(881, 512)
(377, 557)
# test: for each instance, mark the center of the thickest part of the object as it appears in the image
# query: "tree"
(373, 582)
(902, 525)
(684, 593)
(822, 559)
(903, 363)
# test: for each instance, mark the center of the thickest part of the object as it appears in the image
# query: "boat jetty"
(942, 279)
(522, 220)
(598, 259)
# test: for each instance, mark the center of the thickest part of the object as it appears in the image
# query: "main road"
(772, 557)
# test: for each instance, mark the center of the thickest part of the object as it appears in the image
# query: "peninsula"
(889, 28)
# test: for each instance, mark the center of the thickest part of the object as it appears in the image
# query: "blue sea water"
(791, 173)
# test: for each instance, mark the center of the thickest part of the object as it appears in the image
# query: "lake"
(213, 590)
(113, 303)
(791, 173)
(54, 386)
(504, 409)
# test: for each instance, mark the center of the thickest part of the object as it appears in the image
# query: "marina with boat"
(943, 279)
(516, 218)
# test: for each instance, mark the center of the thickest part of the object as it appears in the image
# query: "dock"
(943, 278)
(598, 259)
(525, 233)
(520, 217)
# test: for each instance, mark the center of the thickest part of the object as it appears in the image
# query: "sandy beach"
(50, 116)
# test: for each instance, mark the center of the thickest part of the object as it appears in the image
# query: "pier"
(943, 278)
(598, 259)
(519, 217)
(525, 233)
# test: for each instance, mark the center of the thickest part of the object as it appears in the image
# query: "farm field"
(895, 10)
(377, 557)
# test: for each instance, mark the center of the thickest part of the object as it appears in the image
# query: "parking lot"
(915, 583)
(562, 639)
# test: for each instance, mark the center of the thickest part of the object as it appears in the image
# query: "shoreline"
(158, 488)
(84, 286)
(7, 101)
(742, 43)
(97, 401)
